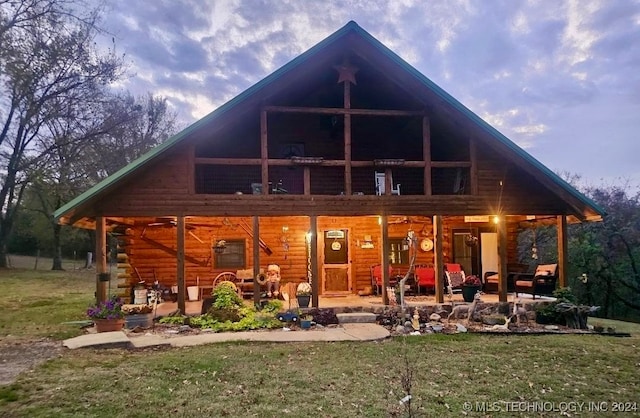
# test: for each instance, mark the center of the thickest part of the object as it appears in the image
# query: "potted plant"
(220, 246)
(107, 315)
(470, 286)
(138, 316)
(305, 321)
(303, 293)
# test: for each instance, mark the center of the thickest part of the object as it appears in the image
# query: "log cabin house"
(323, 168)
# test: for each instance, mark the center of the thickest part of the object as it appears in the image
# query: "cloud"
(542, 72)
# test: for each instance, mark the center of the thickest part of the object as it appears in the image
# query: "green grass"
(346, 379)
(36, 303)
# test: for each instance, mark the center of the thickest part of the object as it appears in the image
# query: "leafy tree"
(608, 253)
(604, 257)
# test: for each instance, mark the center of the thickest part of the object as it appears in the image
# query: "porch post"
(502, 259)
(438, 259)
(256, 259)
(384, 225)
(313, 250)
(562, 250)
(101, 259)
(180, 272)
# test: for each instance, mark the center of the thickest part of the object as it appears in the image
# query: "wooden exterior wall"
(151, 250)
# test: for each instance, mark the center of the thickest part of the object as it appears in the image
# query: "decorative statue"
(273, 280)
(415, 322)
(519, 312)
(462, 310)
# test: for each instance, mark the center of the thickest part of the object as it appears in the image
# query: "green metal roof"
(349, 27)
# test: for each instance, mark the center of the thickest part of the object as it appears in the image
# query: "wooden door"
(335, 262)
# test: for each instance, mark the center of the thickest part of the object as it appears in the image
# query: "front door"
(336, 268)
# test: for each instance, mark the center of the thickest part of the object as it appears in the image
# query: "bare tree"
(48, 63)
(92, 142)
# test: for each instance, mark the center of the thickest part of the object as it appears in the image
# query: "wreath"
(261, 278)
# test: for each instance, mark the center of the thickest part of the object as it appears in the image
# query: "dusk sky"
(559, 78)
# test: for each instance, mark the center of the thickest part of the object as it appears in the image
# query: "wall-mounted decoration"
(477, 218)
(426, 245)
(367, 243)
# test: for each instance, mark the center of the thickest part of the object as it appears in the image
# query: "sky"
(560, 78)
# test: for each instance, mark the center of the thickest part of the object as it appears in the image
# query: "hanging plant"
(471, 240)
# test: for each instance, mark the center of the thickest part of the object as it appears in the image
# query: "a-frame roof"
(584, 207)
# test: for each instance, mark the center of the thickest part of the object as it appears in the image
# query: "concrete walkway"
(344, 332)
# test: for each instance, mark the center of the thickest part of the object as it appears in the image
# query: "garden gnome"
(273, 280)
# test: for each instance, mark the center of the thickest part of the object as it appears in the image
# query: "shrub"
(547, 313)
(225, 296)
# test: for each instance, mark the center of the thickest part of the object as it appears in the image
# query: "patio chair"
(425, 277)
(380, 185)
(376, 278)
(542, 282)
(455, 276)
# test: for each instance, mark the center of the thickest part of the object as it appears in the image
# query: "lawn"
(344, 379)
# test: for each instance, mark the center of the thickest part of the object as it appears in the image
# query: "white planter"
(193, 292)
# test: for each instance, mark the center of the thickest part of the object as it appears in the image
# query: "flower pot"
(107, 325)
(303, 301)
(305, 323)
(138, 320)
(468, 292)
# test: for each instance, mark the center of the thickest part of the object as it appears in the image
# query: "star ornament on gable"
(346, 72)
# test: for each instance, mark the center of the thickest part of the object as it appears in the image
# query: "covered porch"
(349, 303)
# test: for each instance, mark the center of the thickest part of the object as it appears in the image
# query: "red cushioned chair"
(376, 278)
(425, 277)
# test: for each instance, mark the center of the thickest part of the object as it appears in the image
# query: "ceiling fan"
(171, 222)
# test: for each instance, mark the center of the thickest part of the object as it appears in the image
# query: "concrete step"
(356, 318)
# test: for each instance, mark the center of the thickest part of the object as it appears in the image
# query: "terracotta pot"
(107, 325)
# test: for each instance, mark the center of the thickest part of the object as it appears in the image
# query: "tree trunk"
(607, 299)
(5, 230)
(57, 249)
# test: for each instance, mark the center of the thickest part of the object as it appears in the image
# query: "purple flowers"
(109, 309)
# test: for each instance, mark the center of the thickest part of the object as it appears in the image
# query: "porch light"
(496, 219)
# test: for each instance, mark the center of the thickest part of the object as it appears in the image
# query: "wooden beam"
(315, 273)
(307, 181)
(191, 169)
(563, 250)
(181, 271)
(264, 152)
(438, 257)
(384, 227)
(256, 258)
(502, 259)
(426, 154)
(286, 162)
(347, 140)
(172, 252)
(474, 166)
(342, 111)
(388, 183)
(102, 286)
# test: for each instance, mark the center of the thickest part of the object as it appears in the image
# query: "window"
(398, 251)
(233, 255)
